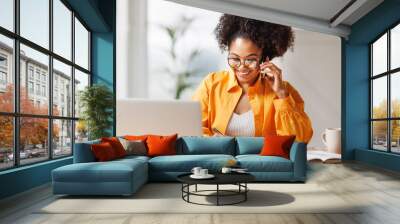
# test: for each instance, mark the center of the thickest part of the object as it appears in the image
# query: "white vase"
(332, 139)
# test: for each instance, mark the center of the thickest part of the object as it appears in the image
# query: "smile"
(242, 73)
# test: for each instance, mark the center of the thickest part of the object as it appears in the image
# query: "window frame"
(16, 115)
(388, 74)
(3, 71)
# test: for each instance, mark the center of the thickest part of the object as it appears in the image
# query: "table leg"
(217, 194)
(188, 190)
(245, 193)
(182, 189)
(196, 188)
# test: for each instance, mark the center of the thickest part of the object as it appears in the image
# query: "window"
(385, 91)
(81, 81)
(44, 91)
(395, 47)
(3, 82)
(37, 89)
(37, 75)
(34, 21)
(3, 72)
(45, 131)
(30, 87)
(3, 61)
(379, 56)
(81, 45)
(30, 72)
(6, 142)
(55, 102)
(3, 78)
(6, 73)
(62, 137)
(33, 149)
(62, 31)
(7, 14)
(62, 74)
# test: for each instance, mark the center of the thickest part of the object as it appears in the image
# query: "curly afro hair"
(272, 38)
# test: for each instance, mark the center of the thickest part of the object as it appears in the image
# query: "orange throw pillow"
(135, 137)
(161, 145)
(116, 145)
(275, 145)
(103, 152)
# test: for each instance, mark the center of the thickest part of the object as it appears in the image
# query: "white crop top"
(241, 125)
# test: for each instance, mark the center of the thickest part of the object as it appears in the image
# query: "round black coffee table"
(238, 179)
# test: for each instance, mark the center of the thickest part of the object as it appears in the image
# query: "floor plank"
(376, 189)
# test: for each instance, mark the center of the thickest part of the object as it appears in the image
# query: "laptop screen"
(159, 117)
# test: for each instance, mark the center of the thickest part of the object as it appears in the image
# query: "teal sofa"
(125, 176)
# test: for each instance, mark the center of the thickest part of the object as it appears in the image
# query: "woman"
(251, 99)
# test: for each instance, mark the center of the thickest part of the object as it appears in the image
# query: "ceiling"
(325, 16)
(319, 9)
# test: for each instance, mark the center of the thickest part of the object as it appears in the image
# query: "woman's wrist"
(282, 93)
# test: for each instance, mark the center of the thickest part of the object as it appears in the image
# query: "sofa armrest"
(83, 152)
(298, 155)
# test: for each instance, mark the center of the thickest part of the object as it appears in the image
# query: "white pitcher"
(332, 140)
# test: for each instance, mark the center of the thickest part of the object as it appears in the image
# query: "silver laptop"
(160, 117)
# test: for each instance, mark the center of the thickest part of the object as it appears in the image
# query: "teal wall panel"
(99, 16)
(102, 59)
(90, 12)
(379, 159)
(103, 66)
(355, 84)
(24, 178)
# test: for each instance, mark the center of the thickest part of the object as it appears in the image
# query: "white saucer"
(208, 176)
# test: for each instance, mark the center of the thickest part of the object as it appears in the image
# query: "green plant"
(180, 69)
(97, 103)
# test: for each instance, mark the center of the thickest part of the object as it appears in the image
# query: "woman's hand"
(217, 133)
(273, 75)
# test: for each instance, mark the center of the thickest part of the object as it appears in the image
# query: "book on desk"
(323, 156)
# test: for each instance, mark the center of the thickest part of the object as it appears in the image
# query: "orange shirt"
(220, 92)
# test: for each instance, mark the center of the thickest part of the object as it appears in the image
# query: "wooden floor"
(379, 189)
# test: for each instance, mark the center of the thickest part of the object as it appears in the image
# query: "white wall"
(314, 69)
(132, 75)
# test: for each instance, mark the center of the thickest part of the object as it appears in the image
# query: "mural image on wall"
(186, 55)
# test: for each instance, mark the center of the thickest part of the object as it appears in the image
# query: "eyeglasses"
(237, 62)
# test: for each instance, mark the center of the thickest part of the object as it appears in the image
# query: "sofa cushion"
(135, 137)
(206, 145)
(257, 163)
(134, 147)
(111, 171)
(275, 145)
(159, 145)
(83, 152)
(103, 152)
(249, 145)
(116, 145)
(185, 163)
(132, 159)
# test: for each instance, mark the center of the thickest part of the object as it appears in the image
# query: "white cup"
(196, 171)
(203, 172)
(331, 138)
(226, 170)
